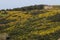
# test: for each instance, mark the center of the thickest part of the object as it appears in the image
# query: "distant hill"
(28, 8)
(38, 22)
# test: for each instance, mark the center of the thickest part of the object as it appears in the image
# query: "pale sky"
(4, 4)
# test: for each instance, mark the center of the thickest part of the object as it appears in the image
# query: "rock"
(4, 36)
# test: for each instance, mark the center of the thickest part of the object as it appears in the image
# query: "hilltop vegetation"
(31, 23)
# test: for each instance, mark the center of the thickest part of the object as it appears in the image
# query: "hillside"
(37, 24)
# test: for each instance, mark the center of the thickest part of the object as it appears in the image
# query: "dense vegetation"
(35, 24)
(27, 8)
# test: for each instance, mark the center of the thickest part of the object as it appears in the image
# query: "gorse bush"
(31, 23)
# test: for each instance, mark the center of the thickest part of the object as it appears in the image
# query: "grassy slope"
(32, 25)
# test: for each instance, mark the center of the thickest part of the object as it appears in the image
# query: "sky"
(7, 4)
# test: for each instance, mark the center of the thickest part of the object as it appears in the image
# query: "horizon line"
(32, 5)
